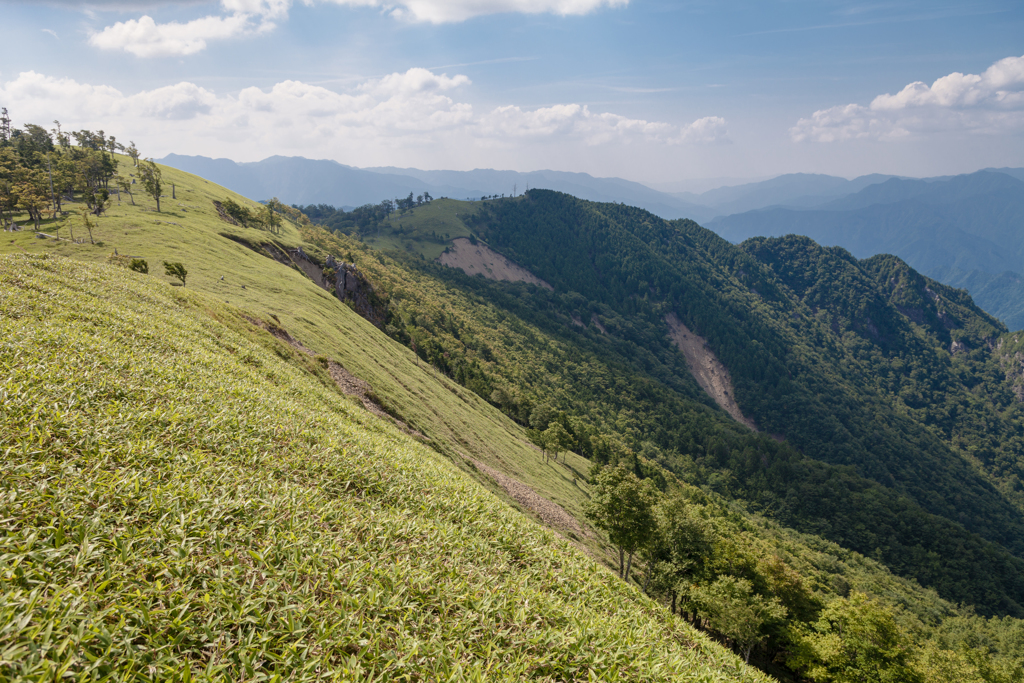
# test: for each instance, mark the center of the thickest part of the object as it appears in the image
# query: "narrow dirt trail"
(705, 367)
(552, 514)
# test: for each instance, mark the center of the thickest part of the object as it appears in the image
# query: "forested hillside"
(868, 446)
(349, 383)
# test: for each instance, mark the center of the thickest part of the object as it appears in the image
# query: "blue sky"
(653, 91)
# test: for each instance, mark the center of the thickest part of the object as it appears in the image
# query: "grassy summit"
(184, 496)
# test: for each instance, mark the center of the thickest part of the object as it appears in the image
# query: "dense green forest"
(856, 465)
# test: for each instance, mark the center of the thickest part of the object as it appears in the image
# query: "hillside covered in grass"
(185, 495)
(469, 372)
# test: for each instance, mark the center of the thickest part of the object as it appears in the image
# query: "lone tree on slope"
(176, 270)
(149, 173)
(624, 506)
(556, 440)
(133, 152)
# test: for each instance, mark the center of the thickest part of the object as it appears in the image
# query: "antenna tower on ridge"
(5, 125)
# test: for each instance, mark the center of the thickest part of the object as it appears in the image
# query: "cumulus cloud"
(574, 121)
(381, 119)
(991, 102)
(705, 131)
(35, 94)
(144, 37)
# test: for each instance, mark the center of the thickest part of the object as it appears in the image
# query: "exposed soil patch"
(473, 259)
(705, 367)
(361, 390)
(552, 514)
(349, 384)
(280, 333)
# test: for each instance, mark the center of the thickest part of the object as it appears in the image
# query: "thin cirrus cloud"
(144, 37)
(988, 103)
(416, 109)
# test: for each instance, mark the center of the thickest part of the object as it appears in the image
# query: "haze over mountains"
(961, 230)
(296, 180)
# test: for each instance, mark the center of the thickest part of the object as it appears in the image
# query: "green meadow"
(186, 497)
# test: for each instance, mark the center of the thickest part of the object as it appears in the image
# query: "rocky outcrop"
(351, 286)
(343, 279)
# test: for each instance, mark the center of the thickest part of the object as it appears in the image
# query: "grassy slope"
(457, 421)
(412, 232)
(181, 491)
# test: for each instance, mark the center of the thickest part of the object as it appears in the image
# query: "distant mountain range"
(966, 231)
(793, 189)
(295, 180)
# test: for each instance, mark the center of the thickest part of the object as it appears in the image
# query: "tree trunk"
(620, 563)
(647, 579)
(746, 658)
(158, 203)
(673, 602)
(173, 195)
(629, 563)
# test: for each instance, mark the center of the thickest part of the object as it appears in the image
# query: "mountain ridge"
(478, 367)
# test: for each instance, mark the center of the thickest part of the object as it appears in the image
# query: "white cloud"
(705, 131)
(144, 37)
(119, 4)
(410, 117)
(33, 95)
(270, 9)
(991, 102)
(574, 121)
(445, 11)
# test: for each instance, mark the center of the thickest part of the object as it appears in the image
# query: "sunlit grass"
(180, 501)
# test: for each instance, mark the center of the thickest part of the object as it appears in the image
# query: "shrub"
(176, 270)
